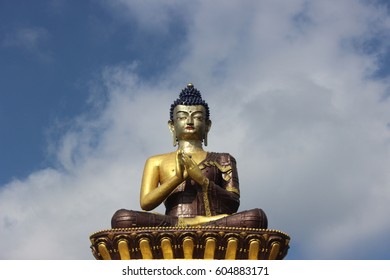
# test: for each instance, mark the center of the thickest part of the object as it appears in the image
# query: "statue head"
(189, 116)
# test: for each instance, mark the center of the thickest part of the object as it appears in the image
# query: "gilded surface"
(190, 243)
(201, 193)
(196, 186)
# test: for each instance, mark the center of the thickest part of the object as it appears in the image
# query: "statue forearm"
(229, 200)
(155, 197)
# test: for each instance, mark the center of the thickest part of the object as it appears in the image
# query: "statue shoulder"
(160, 159)
(223, 158)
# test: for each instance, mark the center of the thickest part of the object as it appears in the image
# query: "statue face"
(189, 122)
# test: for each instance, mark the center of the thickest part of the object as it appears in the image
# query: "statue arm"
(152, 192)
(230, 178)
(228, 195)
(228, 190)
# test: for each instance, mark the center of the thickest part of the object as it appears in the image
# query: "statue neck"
(190, 146)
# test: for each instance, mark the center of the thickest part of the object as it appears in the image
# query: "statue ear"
(208, 126)
(172, 129)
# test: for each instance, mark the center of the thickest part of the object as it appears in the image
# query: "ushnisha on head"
(189, 117)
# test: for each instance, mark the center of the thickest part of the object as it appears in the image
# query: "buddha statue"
(198, 188)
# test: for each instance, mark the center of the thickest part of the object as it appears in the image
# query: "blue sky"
(85, 93)
(50, 52)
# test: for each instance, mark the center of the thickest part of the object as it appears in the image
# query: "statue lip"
(189, 127)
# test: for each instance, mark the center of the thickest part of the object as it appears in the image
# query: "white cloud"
(156, 17)
(290, 98)
(32, 39)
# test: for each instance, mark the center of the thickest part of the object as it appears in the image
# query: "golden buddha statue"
(201, 194)
(198, 188)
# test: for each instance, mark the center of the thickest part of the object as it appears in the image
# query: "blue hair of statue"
(190, 96)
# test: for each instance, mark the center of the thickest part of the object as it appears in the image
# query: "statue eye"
(199, 118)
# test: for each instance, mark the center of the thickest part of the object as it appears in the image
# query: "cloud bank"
(293, 96)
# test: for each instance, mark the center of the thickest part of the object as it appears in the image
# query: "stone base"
(189, 243)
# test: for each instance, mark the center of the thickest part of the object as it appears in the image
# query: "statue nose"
(190, 120)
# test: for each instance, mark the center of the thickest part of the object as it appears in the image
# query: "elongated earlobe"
(208, 126)
(172, 129)
(174, 138)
